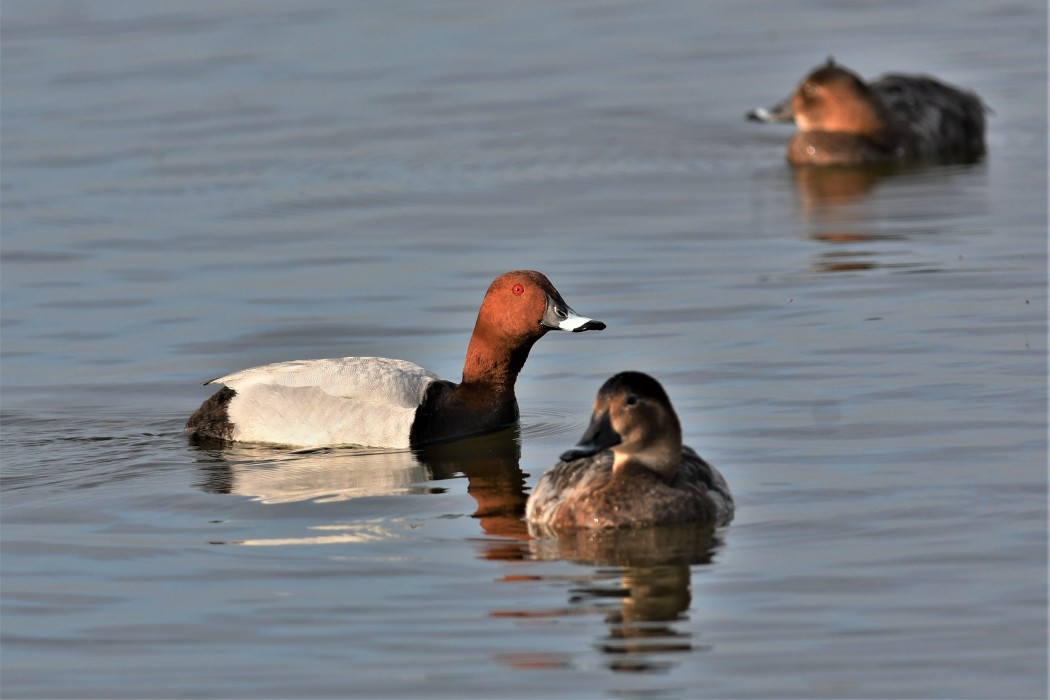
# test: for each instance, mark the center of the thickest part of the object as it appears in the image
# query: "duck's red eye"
(518, 289)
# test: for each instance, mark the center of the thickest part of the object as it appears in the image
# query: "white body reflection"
(273, 476)
(322, 476)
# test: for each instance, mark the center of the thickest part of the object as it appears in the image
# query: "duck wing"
(696, 473)
(377, 380)
(947, 122)
(367, 401)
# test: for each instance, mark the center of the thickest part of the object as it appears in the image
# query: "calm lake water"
(190, 189)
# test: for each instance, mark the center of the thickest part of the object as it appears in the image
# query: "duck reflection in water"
(268, 474)
(862, 212)
(638, 581)
(494, 479)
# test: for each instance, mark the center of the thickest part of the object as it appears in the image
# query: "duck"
(843, 120)
(389, 403)
(630, 469)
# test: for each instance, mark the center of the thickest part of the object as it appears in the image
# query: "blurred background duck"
(843, 120)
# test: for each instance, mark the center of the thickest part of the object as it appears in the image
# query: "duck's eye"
(631, 400)
(518, 290)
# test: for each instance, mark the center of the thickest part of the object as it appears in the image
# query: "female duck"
(630, 469)
(378, 402)
(843, 120)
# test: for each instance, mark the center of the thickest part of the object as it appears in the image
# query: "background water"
(194, 188)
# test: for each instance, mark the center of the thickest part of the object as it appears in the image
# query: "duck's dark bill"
(599, 436)
(591, 325)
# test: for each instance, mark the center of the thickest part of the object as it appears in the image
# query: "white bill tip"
(572, 322)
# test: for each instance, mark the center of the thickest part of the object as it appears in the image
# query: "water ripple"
(537, 423)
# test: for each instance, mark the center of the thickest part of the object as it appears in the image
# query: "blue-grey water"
(193, 188)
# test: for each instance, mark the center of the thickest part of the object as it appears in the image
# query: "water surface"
(191, 189)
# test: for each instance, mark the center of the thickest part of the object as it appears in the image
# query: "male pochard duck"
(843, 120)
(630, 468)
(378, 402)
